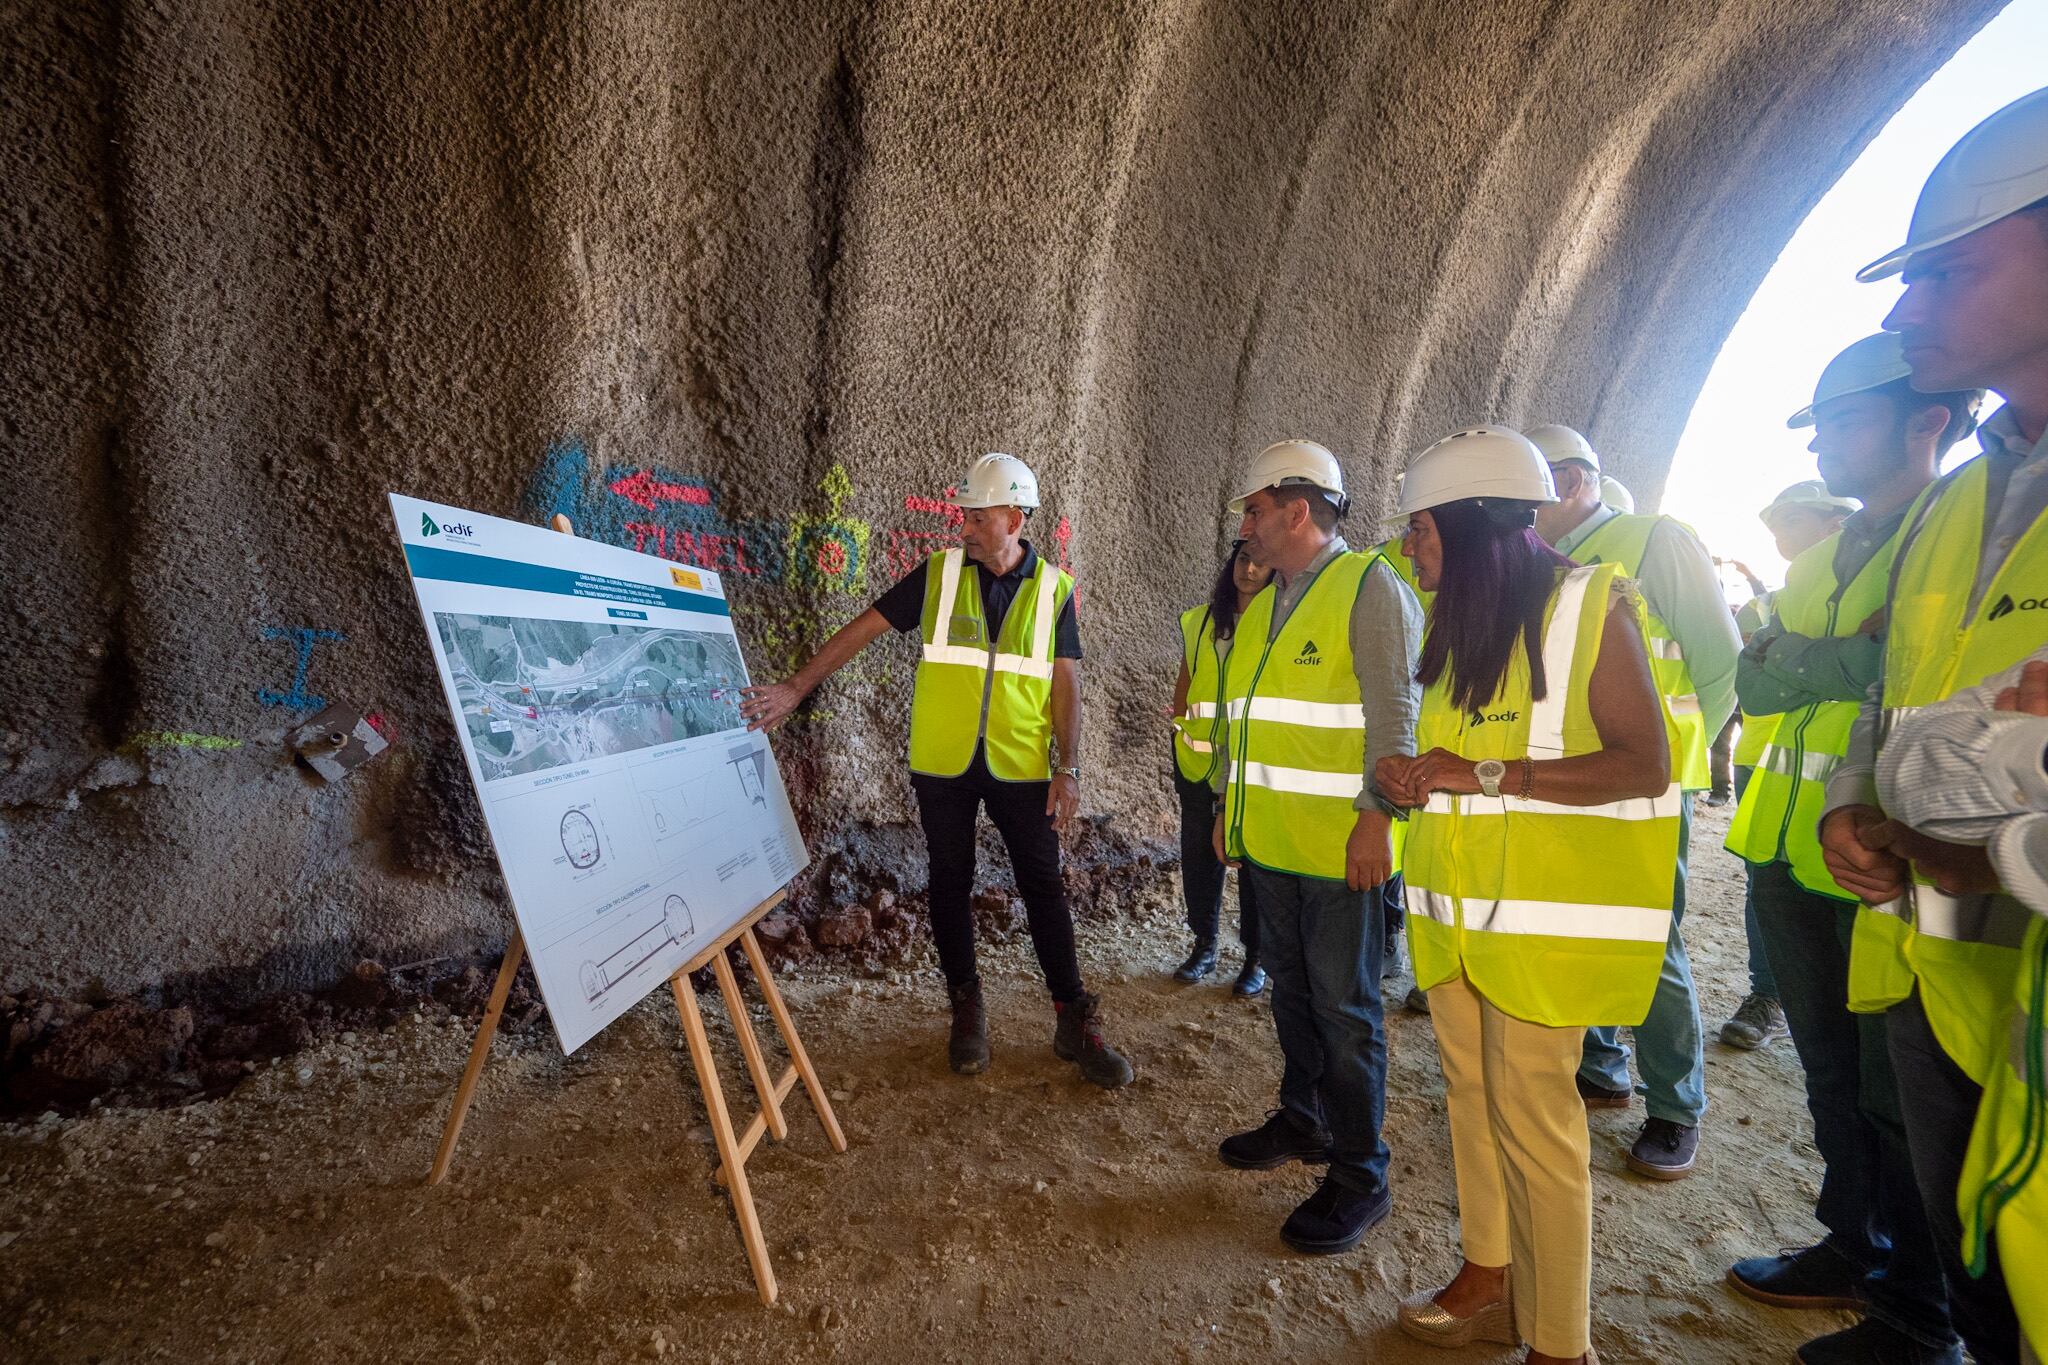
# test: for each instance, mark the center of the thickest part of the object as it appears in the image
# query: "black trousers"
(1939, 1104)
(1201, 876)
(947, 807)
(1869, 1195)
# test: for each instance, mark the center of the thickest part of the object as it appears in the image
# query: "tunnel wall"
(747, 285)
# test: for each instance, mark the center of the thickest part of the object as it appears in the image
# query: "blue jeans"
(1761, 981)
(1668, 1049)
(1320, 942)
(1869, 1198)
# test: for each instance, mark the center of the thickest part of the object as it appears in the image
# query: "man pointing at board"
(996, 720)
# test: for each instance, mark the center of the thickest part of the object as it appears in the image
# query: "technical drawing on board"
(596, 697)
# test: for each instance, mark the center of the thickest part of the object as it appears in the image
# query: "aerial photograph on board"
(538, 694)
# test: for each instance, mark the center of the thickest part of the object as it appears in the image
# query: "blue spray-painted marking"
(303, 639)
(557, 486)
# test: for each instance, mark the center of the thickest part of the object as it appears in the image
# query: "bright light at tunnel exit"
(1736, 453)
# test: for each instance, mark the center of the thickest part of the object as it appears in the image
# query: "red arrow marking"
(643, 488)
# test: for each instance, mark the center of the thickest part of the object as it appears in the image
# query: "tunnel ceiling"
(729, 281)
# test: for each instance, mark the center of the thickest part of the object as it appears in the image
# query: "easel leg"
(721, 1133)
(479, 1048)
(757, 960)
(750, 1047)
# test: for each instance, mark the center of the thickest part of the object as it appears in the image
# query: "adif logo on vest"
(2005, 606)
(1482, 717)
(1308, 654)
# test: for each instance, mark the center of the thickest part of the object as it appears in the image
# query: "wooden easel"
(733, 1148)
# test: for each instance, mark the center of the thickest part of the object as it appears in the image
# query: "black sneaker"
(1802, 1277)
(1250, 981)
(1334, 1218)
(1275, 1142)
(1871, 1342)
(1201, 961)
(1664, 1150)
(1600, 1096)
(1077, 1038)
(967, 1047)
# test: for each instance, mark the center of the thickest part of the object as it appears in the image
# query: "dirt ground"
(1020, 1215)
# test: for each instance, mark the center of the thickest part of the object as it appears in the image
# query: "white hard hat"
(999, 480)
(1999, 168)
(1294, 462)
(1483, 462)
(1559, 444)
(1868, 364)
(1807, 493)
(1615, 495)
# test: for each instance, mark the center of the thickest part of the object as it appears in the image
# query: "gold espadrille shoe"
(1423, 1318)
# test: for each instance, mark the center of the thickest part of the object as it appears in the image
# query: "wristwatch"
(1490, 771)
(1074, 773)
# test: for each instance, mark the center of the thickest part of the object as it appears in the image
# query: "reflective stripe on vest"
(1558, 914)
(1297, 727)
(1194, 733)
(972, 688)
(1963, 952)
(1622, 540)
(1779, 817)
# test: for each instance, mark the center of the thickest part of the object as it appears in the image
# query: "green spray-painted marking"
(178, 739)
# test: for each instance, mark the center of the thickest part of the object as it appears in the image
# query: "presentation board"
(596, 694)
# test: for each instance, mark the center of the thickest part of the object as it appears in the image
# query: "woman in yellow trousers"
(1541, 848)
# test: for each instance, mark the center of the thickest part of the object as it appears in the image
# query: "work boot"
(1275, 1142)
(1818, 1276)
(1600, 1096)
(1335, 1218)
(1077, 1038)
(1664, 1150)
(1251, 980)
(1757, 1020)
(1201, 961)
(1871, 1342)
(1417, 1000)
(967, 1048)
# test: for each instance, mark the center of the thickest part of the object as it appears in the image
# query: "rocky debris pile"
(851, 912)
(66, 1054)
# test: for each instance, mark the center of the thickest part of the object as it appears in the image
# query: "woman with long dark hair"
(1205, 633)
(1540, 853)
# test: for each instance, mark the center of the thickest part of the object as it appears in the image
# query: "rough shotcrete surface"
(746, 284)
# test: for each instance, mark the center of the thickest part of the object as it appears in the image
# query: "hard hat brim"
(1894, 261)
(1801, 418)
(1504, 490)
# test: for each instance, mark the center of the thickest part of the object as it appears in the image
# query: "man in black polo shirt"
(996, 721)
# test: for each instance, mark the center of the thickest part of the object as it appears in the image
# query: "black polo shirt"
(903, 605)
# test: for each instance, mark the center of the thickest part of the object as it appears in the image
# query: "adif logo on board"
(427, 527)
(459, 530)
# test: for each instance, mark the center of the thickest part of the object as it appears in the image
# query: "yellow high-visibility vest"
(1195, 734)
(1779, 818)
(2005, 1171)
(1296, 727)
(977, 687)
(1622, 540)
(1558, 914)
(1963, 951)
(1755, 733)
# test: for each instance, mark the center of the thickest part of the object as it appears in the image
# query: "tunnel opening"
(1736, 452)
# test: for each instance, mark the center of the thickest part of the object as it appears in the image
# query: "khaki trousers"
(1518, 1135)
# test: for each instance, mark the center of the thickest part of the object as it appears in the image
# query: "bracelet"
(1528, 791)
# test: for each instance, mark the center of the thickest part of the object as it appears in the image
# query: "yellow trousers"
(1518, 1135)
